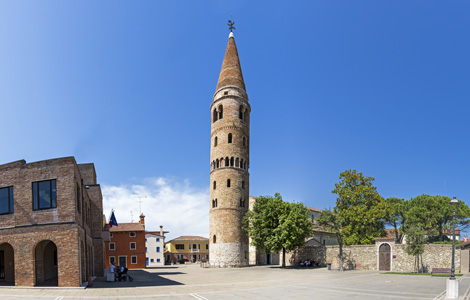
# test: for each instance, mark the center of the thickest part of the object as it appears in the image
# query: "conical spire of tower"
(231, 72)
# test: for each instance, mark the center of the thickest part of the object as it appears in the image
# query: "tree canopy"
(433, 214)
(275, 225)
(359, 208)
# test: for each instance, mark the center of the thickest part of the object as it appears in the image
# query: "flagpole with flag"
(112, 219)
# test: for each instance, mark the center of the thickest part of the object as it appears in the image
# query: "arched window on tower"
(237, 162)
(214, 185)
(244, 141)
(215, 142)
(229, 138)
(243, 185)
(226, 162)
(231, 161)
(213, 203)
(221, 112)
(216, 163)
(241, 163)
(240, 112)
(214, 239)
(214, 115)
(228, 182)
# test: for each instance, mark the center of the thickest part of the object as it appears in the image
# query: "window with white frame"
(158, 249)
(132, 245)
(133, 260)
(132, 234)
(112, 246)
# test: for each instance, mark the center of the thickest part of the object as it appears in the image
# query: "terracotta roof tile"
(127, 227)
(189, 238)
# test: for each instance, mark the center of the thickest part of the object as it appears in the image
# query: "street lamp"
(454, 203)
(452, 285)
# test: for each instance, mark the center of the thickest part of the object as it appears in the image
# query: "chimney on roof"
(142, 217)
(161, 230)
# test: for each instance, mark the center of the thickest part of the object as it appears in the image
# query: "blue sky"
(377, 86)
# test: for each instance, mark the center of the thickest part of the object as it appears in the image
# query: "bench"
(440, 271)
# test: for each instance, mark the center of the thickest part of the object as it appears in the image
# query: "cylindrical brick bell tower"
(230, 160)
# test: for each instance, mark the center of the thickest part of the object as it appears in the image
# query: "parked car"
(182, 260)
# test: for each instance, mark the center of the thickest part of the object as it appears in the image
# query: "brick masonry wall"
(29, 230)
(225, 222)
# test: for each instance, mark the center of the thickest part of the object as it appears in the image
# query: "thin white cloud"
(181, 208)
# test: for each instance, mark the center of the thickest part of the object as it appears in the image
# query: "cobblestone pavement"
(260, 282)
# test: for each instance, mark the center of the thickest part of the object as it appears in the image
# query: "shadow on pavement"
(141, 278)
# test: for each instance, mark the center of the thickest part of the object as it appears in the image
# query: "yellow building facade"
(187, 249)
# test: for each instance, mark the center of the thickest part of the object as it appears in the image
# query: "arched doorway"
(7, 265)
(46, 265)
(384, 257)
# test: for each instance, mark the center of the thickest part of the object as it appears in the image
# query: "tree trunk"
(397, 236)
(283, 257)
(441, 236)
(340, 256)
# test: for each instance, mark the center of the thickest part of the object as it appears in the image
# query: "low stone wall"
(354, 257)
(365, 257)
(315, 253)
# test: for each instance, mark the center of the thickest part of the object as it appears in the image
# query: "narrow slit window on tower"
(231, 161)
(216, 163)
(229, 138)
(243, 185)
(221, 112)
(226, 162)
(215, 142)
(214, 116)
(215, 202)
(214, 185)
(240, 112)
(228, 182)
(214, 239)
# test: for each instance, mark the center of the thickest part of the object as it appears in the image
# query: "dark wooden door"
(384, 257)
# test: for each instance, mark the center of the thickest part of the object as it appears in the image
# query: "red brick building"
(126, 246)
(50, 223)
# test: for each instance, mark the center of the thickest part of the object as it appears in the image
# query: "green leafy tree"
(433, 214)
(415, 240)
(275, 225)
(396, 210)
(359, 208)
(330, 221)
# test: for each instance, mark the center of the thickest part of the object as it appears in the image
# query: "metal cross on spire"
(230, 25)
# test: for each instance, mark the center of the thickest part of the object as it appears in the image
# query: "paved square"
(260, 282)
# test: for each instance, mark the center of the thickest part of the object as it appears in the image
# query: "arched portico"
(7, 264)
(46, 263)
